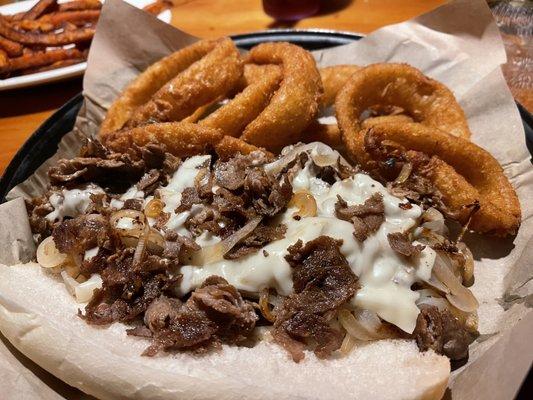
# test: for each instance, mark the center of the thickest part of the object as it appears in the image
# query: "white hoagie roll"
(40, 318)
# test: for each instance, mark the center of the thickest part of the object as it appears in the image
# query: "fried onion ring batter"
(235, 115)
(296, 102)
(398, 85)
(229, 146)
(214, 75)
(333, 79)
(149, 82)
(183, 139)
(461, 171)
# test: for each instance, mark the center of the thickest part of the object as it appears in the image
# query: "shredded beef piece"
(322, 282)
(99, 204)
(261, 236)
(118, 171)
(189, 197)
(215, 312)
(150, 181)
(37, 209)
(270, 197)
(400, 243)
(75, 236)
(231, 174)
(170, 164)
(366, 217)
(133, 204)
(440, 331)
(206, 219)
(155, 155)
(93, 148)
(127, 291)
(178, 246)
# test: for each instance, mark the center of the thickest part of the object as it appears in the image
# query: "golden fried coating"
(399, 86)
(229, 146)
(236, 114)
(209, 78)
(458, 169)
(333, 79)
(183, 139)
(140, 90)
(294, 105)
(367, 123)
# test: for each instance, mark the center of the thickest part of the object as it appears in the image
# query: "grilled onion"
(264, 305)
(467, 271)
(216, 252)
(407, 168)
(354, 327)
(458, 295)
(347, 345)
(48, 256)
(83, 292)
(306, 204)
(433, 220)
(154, 208)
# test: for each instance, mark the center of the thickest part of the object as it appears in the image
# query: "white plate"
(59, 73)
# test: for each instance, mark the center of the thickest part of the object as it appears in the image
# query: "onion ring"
(459, 169)
(333, 79)
(182, 139)
(229, 146)
(149, 82)
(235, 115)
(425, 100)
(296, 102)
(214, 75)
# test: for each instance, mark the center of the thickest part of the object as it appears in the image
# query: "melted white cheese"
(385, 276)
(131, 193)
(91, 253)
(71, 203)
(171, 194)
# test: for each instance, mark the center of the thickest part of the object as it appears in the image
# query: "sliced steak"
(441, 332)
(322, 282)
(75, 236)
(400, 243)
(366, 217)
(215, 312)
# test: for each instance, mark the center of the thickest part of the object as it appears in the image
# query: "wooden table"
(22, 111)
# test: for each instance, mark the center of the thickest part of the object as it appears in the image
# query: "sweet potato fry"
(40, 59)
(42, 7)
(48, 39)
(56, 65)
(74, 17)
(13, 49)
(33, 25)
(80, 5)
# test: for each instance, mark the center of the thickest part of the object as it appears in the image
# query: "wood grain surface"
(23, 110)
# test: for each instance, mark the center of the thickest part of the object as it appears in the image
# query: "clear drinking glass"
(290, 10)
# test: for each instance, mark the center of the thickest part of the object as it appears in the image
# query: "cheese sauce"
(71, 203)
(171, 194)
(385, 276)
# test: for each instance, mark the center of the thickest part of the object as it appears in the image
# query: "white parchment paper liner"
(458, 44)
